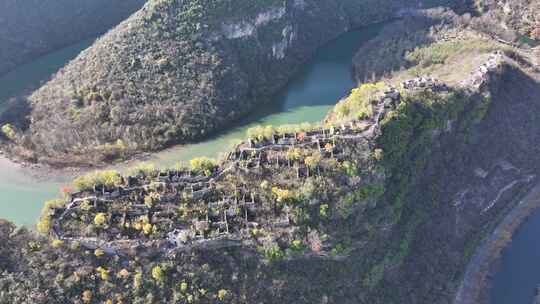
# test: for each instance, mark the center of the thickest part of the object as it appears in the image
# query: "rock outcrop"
(177, 70)
(397, 185)
(510, 19)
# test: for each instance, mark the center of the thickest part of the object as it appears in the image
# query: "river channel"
(311, 93)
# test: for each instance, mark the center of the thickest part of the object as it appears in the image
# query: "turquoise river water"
(307, 98)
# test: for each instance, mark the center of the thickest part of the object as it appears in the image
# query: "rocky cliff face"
(32, 28)
(385, 202)
(479, 166)
(510, 19)
(178, 70)
(474, 176)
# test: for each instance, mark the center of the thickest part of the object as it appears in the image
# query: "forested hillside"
(178, 70)
(30, 28)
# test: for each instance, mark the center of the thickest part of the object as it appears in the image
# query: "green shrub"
(274, 253)
(100, 219)
(313, 161)
(146, 169)
(350, 168)
(284, 195)
(158, 274)
(203, 165)
(260, 133)
(323, 210)
(359, 103)
(9, 131)
(108, 178)
(44, 224)
(340, 249)
(297, 247)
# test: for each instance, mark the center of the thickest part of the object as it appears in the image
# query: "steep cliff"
(177, 70)
(512, 20)
(383, 202)
(32, 28)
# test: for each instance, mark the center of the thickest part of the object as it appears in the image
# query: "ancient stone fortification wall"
(204, 69)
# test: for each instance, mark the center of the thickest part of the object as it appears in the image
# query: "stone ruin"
(229, 216)
(423, 83)
(481, 74)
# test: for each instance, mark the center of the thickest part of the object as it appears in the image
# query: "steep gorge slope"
(31, 28)
(383, 203)
(177, 70)
(513, 20)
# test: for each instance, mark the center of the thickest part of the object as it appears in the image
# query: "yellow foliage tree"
(137, 280)
(44, 224)
(103, 273)
(203, 165)
(147, 228)
(100, 219)
(56, 243)
(158, 274)
(313, 161)
(294, 154)
(9, 131)
(108, 178)
(282, 195)
(222, 293)
(358, 103)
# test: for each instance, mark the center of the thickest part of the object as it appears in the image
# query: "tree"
(100, 219)
(99, 252)
(108, 178)
(222, 293)
(158, 274)
(9, 131)
(183, 287)
(44, 225)
(56, 243)
(323, 210)
(137, 280)
(147, 228)
(260, 133)
(151, 198)
(103, 273)
(312, 162)
(203, 165)
(294, 154)
(87, 296)
(283, 195)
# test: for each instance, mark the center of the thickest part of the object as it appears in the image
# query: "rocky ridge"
(176, 71)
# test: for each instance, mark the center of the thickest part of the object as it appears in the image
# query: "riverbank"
(33, 28)
(476, 280)
(308, 97)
